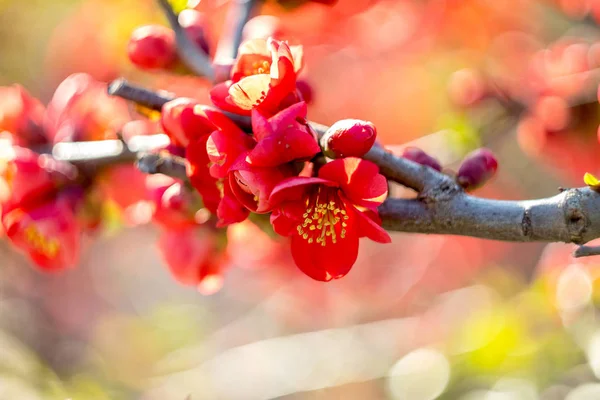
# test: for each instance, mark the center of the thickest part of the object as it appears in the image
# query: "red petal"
(288, 116)
(286, 218)
(230, 209)
(292, 189)
(369, 227)
(332, 261)
(200, 176)
(219, 95)
(218, 119)
(285, 145)
(359, 179)
(223, 148)
(261, 127)
(253, 185)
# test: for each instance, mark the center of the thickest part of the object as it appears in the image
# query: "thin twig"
(153, 100)
(586, 251)
(155, 163)
(191, 54)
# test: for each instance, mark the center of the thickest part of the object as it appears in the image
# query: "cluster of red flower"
(322, 205)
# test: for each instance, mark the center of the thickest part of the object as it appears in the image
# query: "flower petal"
(250, 91)
(286, 218)
(261, 127)
(230, 209)
(288, 116)
(287, 144)
(200, 176)
(369, 226)
(219, 95)
(292, 189)
(224, 147)
(359, 179)
(332, 261)
(253, 185)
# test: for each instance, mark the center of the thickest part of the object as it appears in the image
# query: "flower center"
(261, 67)
(42, 244)
(325, 217)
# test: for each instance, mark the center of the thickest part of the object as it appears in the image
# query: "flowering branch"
(193, 56)
(442, 206)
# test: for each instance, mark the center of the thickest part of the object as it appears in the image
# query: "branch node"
(526, 225)
(575, 219)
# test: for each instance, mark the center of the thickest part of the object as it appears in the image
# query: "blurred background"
(424, 318)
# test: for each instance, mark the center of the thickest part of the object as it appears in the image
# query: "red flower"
(326, 216)
(193, 258)
(282, 138)
(22, 115)
(152, 47)
(251, 166)
(81, 109)
(263, 77)
(184, 120)
(30, 177)
(49, 234)
(174, 205)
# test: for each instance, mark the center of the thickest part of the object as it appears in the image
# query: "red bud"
(152, 47)
(173, 204)
(420, 157)
(477, 168)
(348, 138)
(192, 258)
(49, 234)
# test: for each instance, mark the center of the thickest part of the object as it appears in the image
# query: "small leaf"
(591, 181)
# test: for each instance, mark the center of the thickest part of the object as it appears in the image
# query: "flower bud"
(192, 258)
(152, 47)
(420, 157)
(173, 203)
(49, 234)
(183, 121)
(194, 24)
(348, 138)
(477, 168)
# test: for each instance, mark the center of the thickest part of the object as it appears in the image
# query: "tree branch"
(192, 55)
(172, 166)
(571, 216)
(442, 207)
